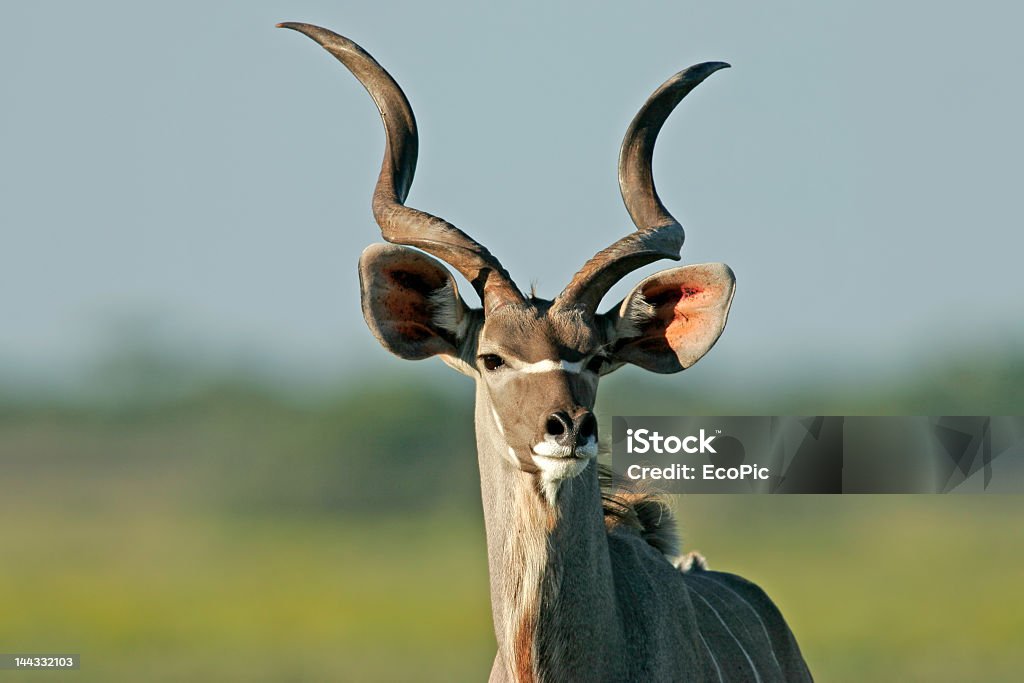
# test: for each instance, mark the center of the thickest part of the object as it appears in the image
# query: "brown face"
(540, 369)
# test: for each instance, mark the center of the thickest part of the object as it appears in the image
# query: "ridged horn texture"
(398, 223)
(659, 235)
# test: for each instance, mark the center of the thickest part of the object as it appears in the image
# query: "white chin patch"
(559, 463)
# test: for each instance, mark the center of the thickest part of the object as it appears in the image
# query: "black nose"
(569, 432)
(586, 427)
(558, 425)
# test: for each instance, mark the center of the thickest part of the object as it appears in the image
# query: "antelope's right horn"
(398, 223)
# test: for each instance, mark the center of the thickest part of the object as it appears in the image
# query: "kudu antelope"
(583, 582)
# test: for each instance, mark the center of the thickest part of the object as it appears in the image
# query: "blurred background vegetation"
(171, 520)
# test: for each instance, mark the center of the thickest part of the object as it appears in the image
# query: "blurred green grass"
(150, 593)
(878, 588)
(233, 532)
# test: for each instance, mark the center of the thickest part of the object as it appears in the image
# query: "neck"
(552, 592)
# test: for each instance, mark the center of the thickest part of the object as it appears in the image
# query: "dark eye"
(596, 364)
(492, 361)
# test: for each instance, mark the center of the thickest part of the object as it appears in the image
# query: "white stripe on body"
(714, 661)
(757, 677)
(764, 628)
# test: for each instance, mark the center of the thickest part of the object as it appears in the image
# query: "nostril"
(556, 425)
(588, 426)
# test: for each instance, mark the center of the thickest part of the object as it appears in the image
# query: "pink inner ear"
(681, 312)
(690, 305)
(674, 308)
(684, 314)
(677, 329)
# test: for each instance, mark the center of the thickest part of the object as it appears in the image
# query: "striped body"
(741, 630)
(601, 598)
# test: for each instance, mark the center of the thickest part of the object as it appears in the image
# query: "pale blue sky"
(859, 168)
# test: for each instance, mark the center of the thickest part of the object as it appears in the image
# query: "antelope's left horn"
(658, 235)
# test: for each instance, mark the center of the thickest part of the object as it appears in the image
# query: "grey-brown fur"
(584, 579)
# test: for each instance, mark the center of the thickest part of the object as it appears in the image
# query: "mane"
(645, 512)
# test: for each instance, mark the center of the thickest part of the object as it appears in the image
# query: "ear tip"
(374, 253)
(722, 268)
(380, 248)
(385, 252)
(720, 273)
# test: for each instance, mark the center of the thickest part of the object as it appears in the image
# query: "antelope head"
(536, 362)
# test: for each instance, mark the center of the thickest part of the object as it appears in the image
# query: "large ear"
(411, 303)
(671, 319)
